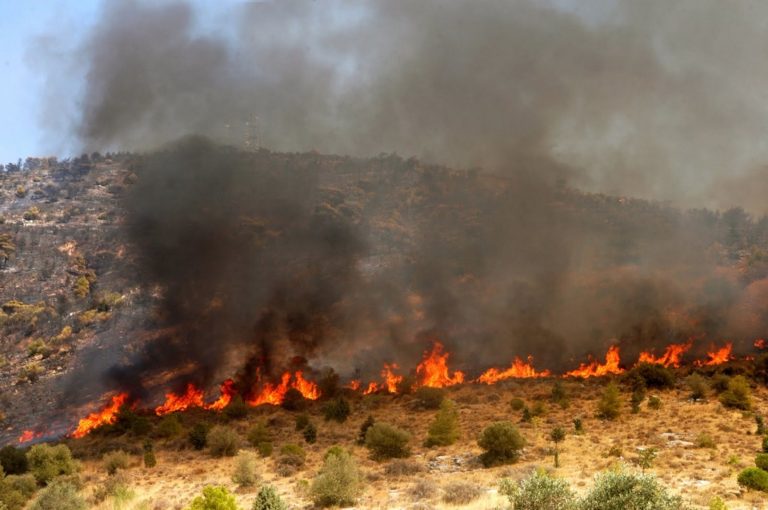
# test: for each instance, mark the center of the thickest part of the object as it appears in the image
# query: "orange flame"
(226, 392)
(595, 369)
(718, 356)
(760, 343)
(275, 393)
(391, 380)
(372, 388)
(518, 370)
(28, 435)
(353, 385)
(106, 416)
(193, 397)
(672, 355)
(433, 369)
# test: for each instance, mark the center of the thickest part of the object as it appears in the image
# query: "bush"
(294, 400)
(502, 444)
(25, 484)
(539, 492)
(258, 434)
(719, 383)
(214, 498)
(578, 426)
(609, 405)
(738, 394)
(223, 441)
(13, 460)
(387, 442)
(245, 470)
(705, 441)
(237, 409)
(623, 490)
(559, 396)
(292, 455)
(761, 461)
(47, 462)
(638, 395)
(59, 496)
(654, 402)
(198, 436)
(328, 383)
(429, 398)
(115, 460)
(310, 433)
(265, 448)
(517, 404)
(717, 503)
(302, 420)
(444, 430)
(338, 482)
(754, 478)
(651, 375)
(337, 409)
(765, 444)
(169, 427)
(368, 423)
(461, 493)
(400, 468)
(267, 499)
(697, 386)
(10, 497)
(150, 460)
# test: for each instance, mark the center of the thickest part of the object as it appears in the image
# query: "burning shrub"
(444, 430)
(337, 409)
(258, 434)
(697, 385)
(339, 481)
(169, 427)
(237, 409)
(198, 436)
(245, 470)
(115, 460)
(538, 492)
(294, 400)
(738, 395)
(267, 499)
(47, 462)
(59, 496)
(502, 444)
(761, 461)
(652, 375)
(461, 493)
(310, 433)
(387, 442)
(223, 441)
(754, 478)
(368, 423)
(621, 490)
(429, 398)
(609, 405)
(214, 498)
(13, 461)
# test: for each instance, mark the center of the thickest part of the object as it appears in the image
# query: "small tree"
(738, 395)
(539, 492)
(753, 478)
(149, 455)
(559, 396)
(645, 458)
(245, 470)
(444, 430)
(608, 407)
(557, 435)
(387, 442)
(268, 499)
(623, 490)
(214, 498)
(578, 426)
(338, 483)
(47, 462)
(310, 433)
(502, 444)
(638, 395)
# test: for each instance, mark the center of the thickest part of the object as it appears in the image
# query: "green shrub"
(328, 383)
(738, 394)
(717, 503)
(150, 460)
(444, 430)
(264, 448)
(559, 396)
(697, 386)
(754, 478)
(10, 497)
(337, 409)
(429, 398)
(267, 499)
(214, 498)
(651, 375)
(13, 460)
(539, 492)
(169, 427)
(302, 420)
(47, 462)
(654, 402)
(294, 400)
(502, 444)
(223, 441)
(368, 423)
(25, 484)
(765, 444)
(59, 496)
(623, 490)
(245, 470)
(705, 441)
(387, 442)
(538, 409)
(638, 395)
(517, 404)
(115, 460)
(557, 436)
(198, 436)
(578, 426)
(461, 493)
(310, 433)
(292, 455)
(258, 434)
(237, 409)
(719, 383)
(609, 405)
(761, 461)
(338, 483)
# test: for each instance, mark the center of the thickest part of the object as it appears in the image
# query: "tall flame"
(518, 370)
(718, 356)
(106, 416)
(192, 397)
(672, 356)
(595, 369)
(275, 393)
(433, 369)
(226, 392)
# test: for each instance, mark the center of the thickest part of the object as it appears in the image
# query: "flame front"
(226, 392)
(672, 356)
(106, 416)
(518, 370)
(29, 435)
(595, 369)
(718, 356)
(433, 369)
(192, 397)
(275, 393)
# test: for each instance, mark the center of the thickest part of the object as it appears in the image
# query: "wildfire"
(518, 370)
(193, 397)
(226, 391)
(106, 416)
(275, 393)
(595, 369)
(353, 385)
(671, 358)
(760, 343)
(372, 388)
(29, 435)
(433, 369)
(718, 356)
(390, 380)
